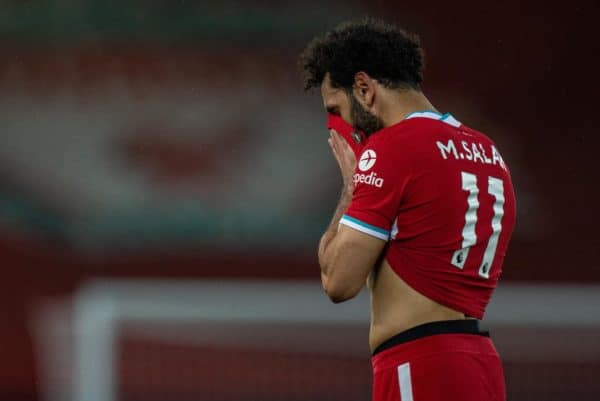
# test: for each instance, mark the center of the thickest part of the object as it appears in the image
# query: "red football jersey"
(442, 195)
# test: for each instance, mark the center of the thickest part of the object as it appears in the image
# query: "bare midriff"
(396, 307)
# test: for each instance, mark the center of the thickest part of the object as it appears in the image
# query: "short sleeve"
(380, 178)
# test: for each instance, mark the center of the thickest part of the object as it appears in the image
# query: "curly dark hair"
(388, 54)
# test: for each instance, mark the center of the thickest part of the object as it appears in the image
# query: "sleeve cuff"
(365, 227)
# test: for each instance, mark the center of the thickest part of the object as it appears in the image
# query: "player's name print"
(471, 151)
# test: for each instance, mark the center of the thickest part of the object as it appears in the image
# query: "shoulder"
(414, 130)
(407, 139)
(389, 152)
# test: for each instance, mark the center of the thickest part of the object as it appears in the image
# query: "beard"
(362, 119)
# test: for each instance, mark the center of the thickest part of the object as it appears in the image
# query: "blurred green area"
(62, 24)
(187, 21)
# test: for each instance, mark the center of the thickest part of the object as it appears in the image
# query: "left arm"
(346, 256)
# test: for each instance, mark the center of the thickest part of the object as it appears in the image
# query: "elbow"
(337, 283)
(338, 298)
(339, 293)
(331, 288)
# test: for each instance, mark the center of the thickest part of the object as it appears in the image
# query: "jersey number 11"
(469, 237)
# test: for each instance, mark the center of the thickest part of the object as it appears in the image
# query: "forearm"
(328, 237)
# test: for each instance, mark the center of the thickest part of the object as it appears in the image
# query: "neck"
(398, 105)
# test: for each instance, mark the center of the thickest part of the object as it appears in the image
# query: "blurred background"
(153, 142)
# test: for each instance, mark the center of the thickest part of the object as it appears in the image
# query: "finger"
(340, 140)
(344, 147)
(341, 145)
(334, 138)
(337, 148)
(331, 143)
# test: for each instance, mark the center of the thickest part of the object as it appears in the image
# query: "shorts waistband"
(464, 326)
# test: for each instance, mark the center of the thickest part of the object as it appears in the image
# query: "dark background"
(158, 192)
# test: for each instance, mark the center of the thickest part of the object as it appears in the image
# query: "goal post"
(100, 307)
(224, 340)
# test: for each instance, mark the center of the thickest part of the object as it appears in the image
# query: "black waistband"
(466, 326)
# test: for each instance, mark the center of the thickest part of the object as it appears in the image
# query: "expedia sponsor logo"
(367, 160)
(369, 179)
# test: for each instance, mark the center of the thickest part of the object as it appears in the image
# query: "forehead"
(331, 96)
